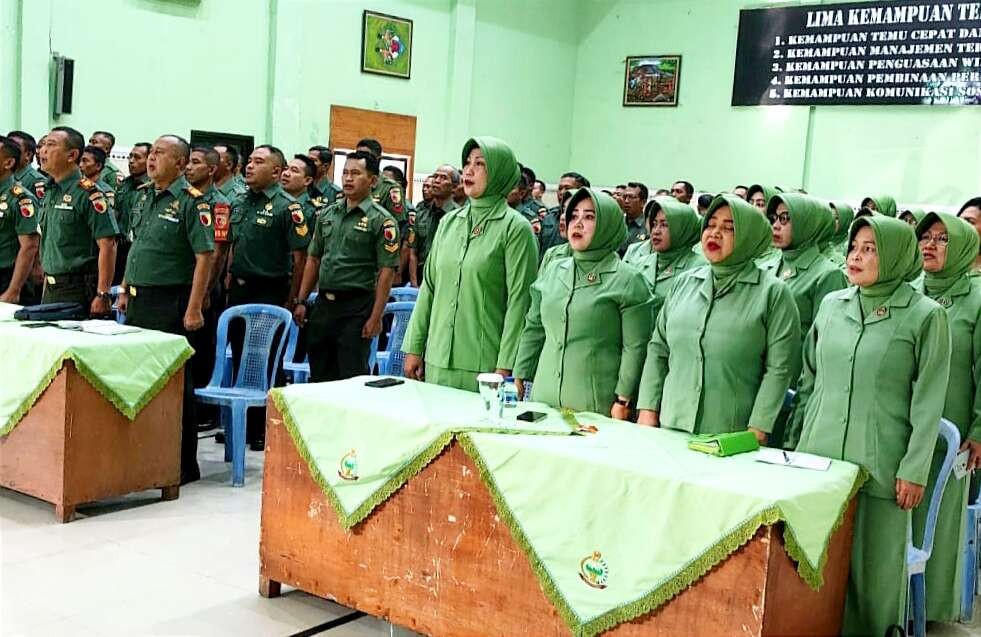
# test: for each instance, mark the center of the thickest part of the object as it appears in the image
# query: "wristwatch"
(103, 295)
(624, 403)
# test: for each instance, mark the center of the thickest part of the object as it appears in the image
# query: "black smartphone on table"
(531, 416)
(384, 382)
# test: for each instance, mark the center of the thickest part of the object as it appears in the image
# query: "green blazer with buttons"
(873, 389)
(718, 365)
(584, 342)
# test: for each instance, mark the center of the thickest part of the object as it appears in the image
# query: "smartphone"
(384, 382)
(531, 416)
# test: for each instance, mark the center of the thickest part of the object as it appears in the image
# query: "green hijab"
(810, 221)
(962, 249)
(884, 204)
(684, 224)
(917, 213)
(502, 173)
(846, 214)
(611, 229)
(899, 256)
(752, 235)
(769, 192)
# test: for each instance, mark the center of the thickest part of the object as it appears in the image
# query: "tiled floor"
(137, 566)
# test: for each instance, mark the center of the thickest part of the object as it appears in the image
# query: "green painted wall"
(545, 75)
(920, 154)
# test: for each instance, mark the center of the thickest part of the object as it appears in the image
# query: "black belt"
(342, 295)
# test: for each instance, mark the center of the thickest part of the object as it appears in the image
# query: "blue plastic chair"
(970, 584)
(254, 377)
(299, 372)
(917, 557)
(390, 360)
(118, 315)
(406, 293)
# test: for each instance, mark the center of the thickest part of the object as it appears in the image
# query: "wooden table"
(436, 559)
(74, 446)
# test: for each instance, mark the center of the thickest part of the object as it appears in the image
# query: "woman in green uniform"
(638, 251)
(726, 345)
(801, 224)
(872, 392)
(883, 204)
(586, 333)
(474, 294)
(949, 246)
(674, 228)
(971, 213)
(760, 195)
(912, 217)
(837, 247)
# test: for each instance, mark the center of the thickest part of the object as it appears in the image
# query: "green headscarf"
(810, 222)
(752, 235)
(611, 229)
(962, 249)
(884, 204)
(769, 192)
(684, 224)
(502, 172)
(899, 257)
(846, 214)
(917, 213)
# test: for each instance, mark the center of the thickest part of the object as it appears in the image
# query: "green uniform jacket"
(475, 292)
(233, 189)
(550, 237)
(638, 252)
(326, 193)
(18, 217)
(810, 278)
(169, 228)
(30, 178)
(126, 196)
(110, 175)
(872, 391)
(74, 214)
(584, 343)
(554, 253)
(353, 245)
(636, 232)
(722, 364)
(422, 232)
(662, 283)
(267, 227)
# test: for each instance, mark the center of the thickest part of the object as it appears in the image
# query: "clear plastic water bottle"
(509, 394)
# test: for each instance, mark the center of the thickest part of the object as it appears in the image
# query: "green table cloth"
(127, 369)
(363, 443)
(615, 520)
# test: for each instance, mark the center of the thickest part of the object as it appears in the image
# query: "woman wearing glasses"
(949, 246)
(726, 345)
(801, 225)
(872, 392)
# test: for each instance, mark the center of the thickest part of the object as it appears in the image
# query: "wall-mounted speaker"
(64, 80)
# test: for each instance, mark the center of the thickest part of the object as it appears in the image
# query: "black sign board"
(887, 52)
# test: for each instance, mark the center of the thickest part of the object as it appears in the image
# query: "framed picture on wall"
(651, 80)
(386, 45)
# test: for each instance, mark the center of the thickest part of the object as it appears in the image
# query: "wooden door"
(396, 133)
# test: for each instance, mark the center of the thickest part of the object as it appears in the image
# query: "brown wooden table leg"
(170, 493)
(64, 512)
(269, 588)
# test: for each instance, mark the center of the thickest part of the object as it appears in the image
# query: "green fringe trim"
(131, 412)
(677, 583)
(393, 484)
(811, 574)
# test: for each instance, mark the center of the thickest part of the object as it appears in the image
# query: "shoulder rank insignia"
(86, 183)
(144, 185)
(194, 192)
(301, 229)
(17, 190)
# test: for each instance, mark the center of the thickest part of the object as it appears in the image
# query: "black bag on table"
(52, 312)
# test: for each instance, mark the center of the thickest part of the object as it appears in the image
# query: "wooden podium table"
(74, 446)
(437, 559)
